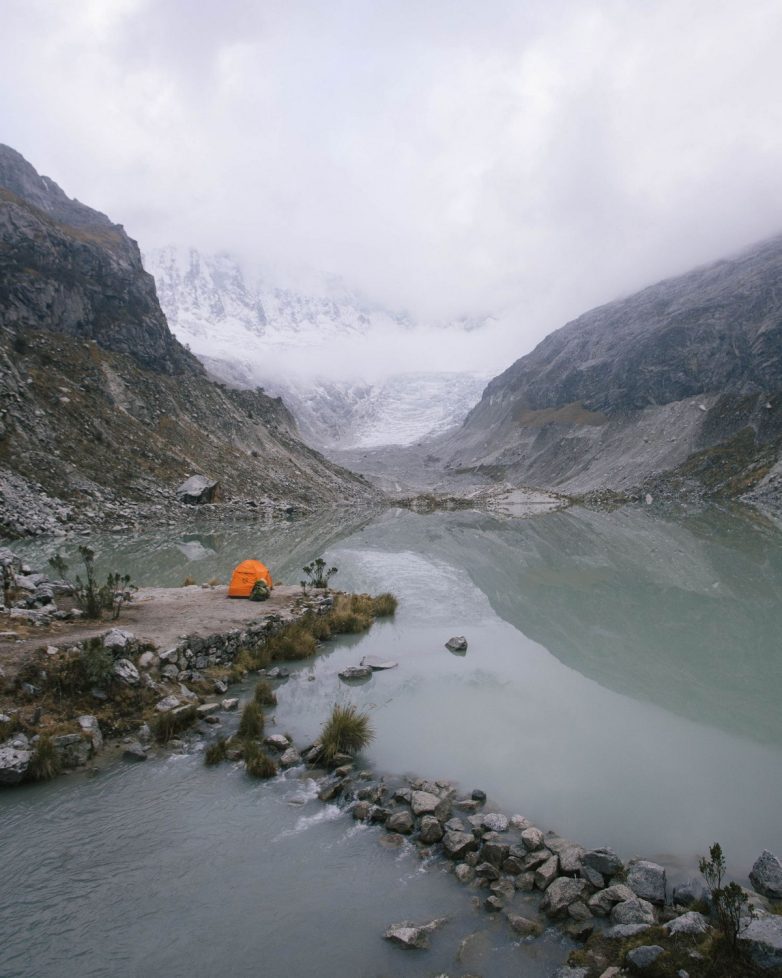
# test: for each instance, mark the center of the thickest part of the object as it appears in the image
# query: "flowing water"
(622, 686)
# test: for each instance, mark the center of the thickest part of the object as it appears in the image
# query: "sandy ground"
(156, 614)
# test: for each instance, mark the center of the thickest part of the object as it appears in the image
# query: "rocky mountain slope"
(679, 385)
(102, 411)
(293, 342)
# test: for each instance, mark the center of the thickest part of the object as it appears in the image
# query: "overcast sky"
(527, 159)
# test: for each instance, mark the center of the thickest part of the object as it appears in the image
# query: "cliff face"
(682, 379)
(66, 268)
(102, 412)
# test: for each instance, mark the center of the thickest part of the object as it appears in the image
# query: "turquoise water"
(622, 686)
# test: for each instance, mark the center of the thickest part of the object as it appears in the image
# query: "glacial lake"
(622, 686)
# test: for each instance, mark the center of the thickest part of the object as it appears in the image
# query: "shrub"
(216, 752)
(92, 598)
(346, 731)
(169, 724)
(264, 694)
(188, 581)
(730, 902)
(351, 614)
(317, 575)
(257, 762)
(78, 672)
(252, 721)
(384, 605)
(45, 762)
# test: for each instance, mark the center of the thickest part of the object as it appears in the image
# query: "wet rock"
(431, 830)
(232, 703)
(167, 704)
(494, 851)
(486, 871)
(478, 795)
(425, 803)
(353, 673)
(360, 811)
(688, 923)
(604, 860)
(458, 643)
(13, 764)
(134, 752)
(457, 844)
(592, 877)
(205, 709)
(503, 889)
(634, 911)
(579, 911)
(602, 902)
(766, 875)
(376, 664)
(647, 881)
(534, 859)
(126, 672)
(473, 949)
(413, 936)
(290, 758)
(690, 892)
(493, 904)
(570, 859)
(401, 822)
(278, 673)
(277, 742)
(495, 822)
(546, 872)
(580, 930)
(525, 882)
(762, 939)
(523, 925)
(532, 838)
(464, 873)
(644, 957)
(405, 795)
(331, 790)
(220, 687)
(560, 894)
(454, 825)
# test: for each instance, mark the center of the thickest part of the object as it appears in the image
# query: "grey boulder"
(126, 672)
(560, 894)
(762, 939)
(13, 764)
(458, 643)
(198, 490)
(644, 957)
(413, 936)
(688, 923)
(647, 881)
(633, 912)
(766, 875)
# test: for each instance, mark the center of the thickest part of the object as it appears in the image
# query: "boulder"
(126, 672)
(430, 829)
(13, 764)
(360, 811)
(644, 957)
(602, 902)
(402, 822)
(620, 932)
(523, 925)
(766, 875)
(495, 852)
(486, 871)
(377, 664)
(632, 912)
(353, 673)
(532, 838)
(560, 894)
(205, 709)
(494, 822)
(452, 825)
(290, 758)
(89, 724)
(762, 939)
(198, 490)
(278, 742)
(570, 857)
(592, 877)
(647, 881)
(494, 903)
(692, 891)
(525, 882)
(425, 803)
(604, 860)
(546, 872)
(413, 936)
(118, 638)
(167, 704)
(688, 923)
(232, 703)
(464, 873)
(134, 752)
(503, 889)
(457, 643)
(457, 844)
(73, 750)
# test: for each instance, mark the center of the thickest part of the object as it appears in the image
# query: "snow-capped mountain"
(296, 342)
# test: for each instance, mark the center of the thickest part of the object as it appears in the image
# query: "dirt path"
(157, 614)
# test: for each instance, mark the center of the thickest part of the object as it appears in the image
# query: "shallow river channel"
(622, 686)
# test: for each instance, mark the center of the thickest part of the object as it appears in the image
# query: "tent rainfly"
(244, 577)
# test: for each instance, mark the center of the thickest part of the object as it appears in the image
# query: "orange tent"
(244, 577)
